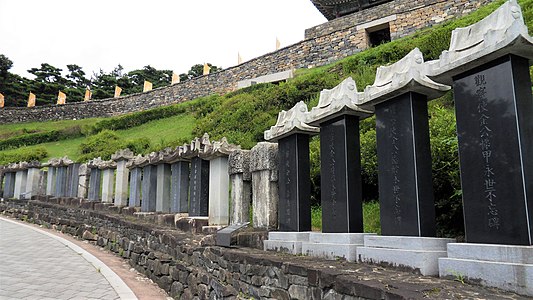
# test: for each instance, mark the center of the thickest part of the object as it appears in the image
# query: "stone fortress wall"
(323, 44)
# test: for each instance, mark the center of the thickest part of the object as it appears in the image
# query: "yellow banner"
(118, 90)
(61, 98)
(1, 100)
(175, 78)
(239, 59)
(88, 95)
(207, 68)
(278, 44)
(31, 100)
(147, 86)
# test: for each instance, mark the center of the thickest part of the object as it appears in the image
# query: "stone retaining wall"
(188, 266)
(324, 44)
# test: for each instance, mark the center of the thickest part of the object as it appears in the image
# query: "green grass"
(163, 130)
(10, 130)
(371, 223)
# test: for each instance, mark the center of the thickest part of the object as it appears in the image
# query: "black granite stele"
(294, 183)
(494, 110)
(179, 187)
(340, 172)
(95, 184)
(404, 165)
(149, 188)
(199, 188)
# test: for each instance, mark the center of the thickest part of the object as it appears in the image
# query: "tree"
(76, 77)
(198, 70)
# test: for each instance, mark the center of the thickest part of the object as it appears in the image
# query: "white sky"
(165, 34)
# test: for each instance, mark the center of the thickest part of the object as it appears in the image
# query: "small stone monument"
(21, 175)
(179, 182)
(95, 179)
(163, 171)
(241, 186)
(62, 176)
(149, 186)
(83, 181)
(265, 198)
(199, 177)
(9, 182)
(135, 167)
(121, 158)
(108, 180)
(33, 178)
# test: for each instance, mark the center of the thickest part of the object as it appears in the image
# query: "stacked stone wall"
(323, 44)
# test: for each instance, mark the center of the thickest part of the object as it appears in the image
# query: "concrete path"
(35, 264)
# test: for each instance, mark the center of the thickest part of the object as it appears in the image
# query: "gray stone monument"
(241, 186)
(9, 182)
(163, 174)
(51, 176)
(217, 153)
(73, 180)
(20, 180)
(179, 182)
(108, 180)
(265, 197)
(121, 158)
(149, 187)
(33, 179)
(95, 179)
(135, 180)
(83, 181)
(199, 177)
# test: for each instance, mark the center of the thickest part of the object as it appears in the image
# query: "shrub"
(28, 139)
(33, 154)
(107, 142)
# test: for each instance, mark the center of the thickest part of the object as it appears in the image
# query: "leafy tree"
(76, 77)
(198, 70)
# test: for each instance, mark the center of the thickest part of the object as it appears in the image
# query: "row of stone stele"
(502, 32)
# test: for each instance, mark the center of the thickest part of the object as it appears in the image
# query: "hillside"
(242, 116)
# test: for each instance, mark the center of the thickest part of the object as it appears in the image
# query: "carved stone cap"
(138, 161)
(98, 163)
(239, 163)
(124, 154)
(34, 164)
(20, 166)
(197, 147)
(291, 122)
(341, 100)
(409, 74)
(173, 155)
(94, 163)
(84, 170)
(500, 33)
(218, 149)
(59, 162)
(264, 156)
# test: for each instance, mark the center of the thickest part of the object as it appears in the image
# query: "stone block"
(291, 247)
(331, 251)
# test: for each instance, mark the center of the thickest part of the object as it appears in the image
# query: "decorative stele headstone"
(118, 90)
(83, 181)
(9, 182)
(241, 186)
(338, 115)
(121, 158)
(399, 96)
(292, 135)
(264, 168)
(488, 63)
(62, 176)
(61, 98)
(21, 174)
(32, 179)
(149, 186)
(108, 180)
(217, 154)
(199, 177)
(147, 86)
(73, 179)
(95, 179)
(135, 167)
(179, 181)
(163, 171)
(88, 95)
(50, 176)
(31, 100)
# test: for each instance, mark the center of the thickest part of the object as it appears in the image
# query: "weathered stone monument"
(149, 186)
(199, 178)
(121, 158)
(95, 179)
(21, 175)
(134, 165)
(162, 194)
(108, 180)
(265, 198)
(9, 182)
(241, 186)
(61, 175)
(33, 179)
(488, 65)
(83, 181)
(179, 182)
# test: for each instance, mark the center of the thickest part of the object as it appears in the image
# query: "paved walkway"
(35, 264)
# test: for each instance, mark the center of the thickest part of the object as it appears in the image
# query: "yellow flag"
(175, 78)
(147, 86)
(278, 44)
(207, 68)
(88, 95)
(239, 58)
(61, 98)
(118, 90)
(31, 100)
(1, 100)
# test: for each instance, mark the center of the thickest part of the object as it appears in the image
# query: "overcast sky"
(165, 34)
